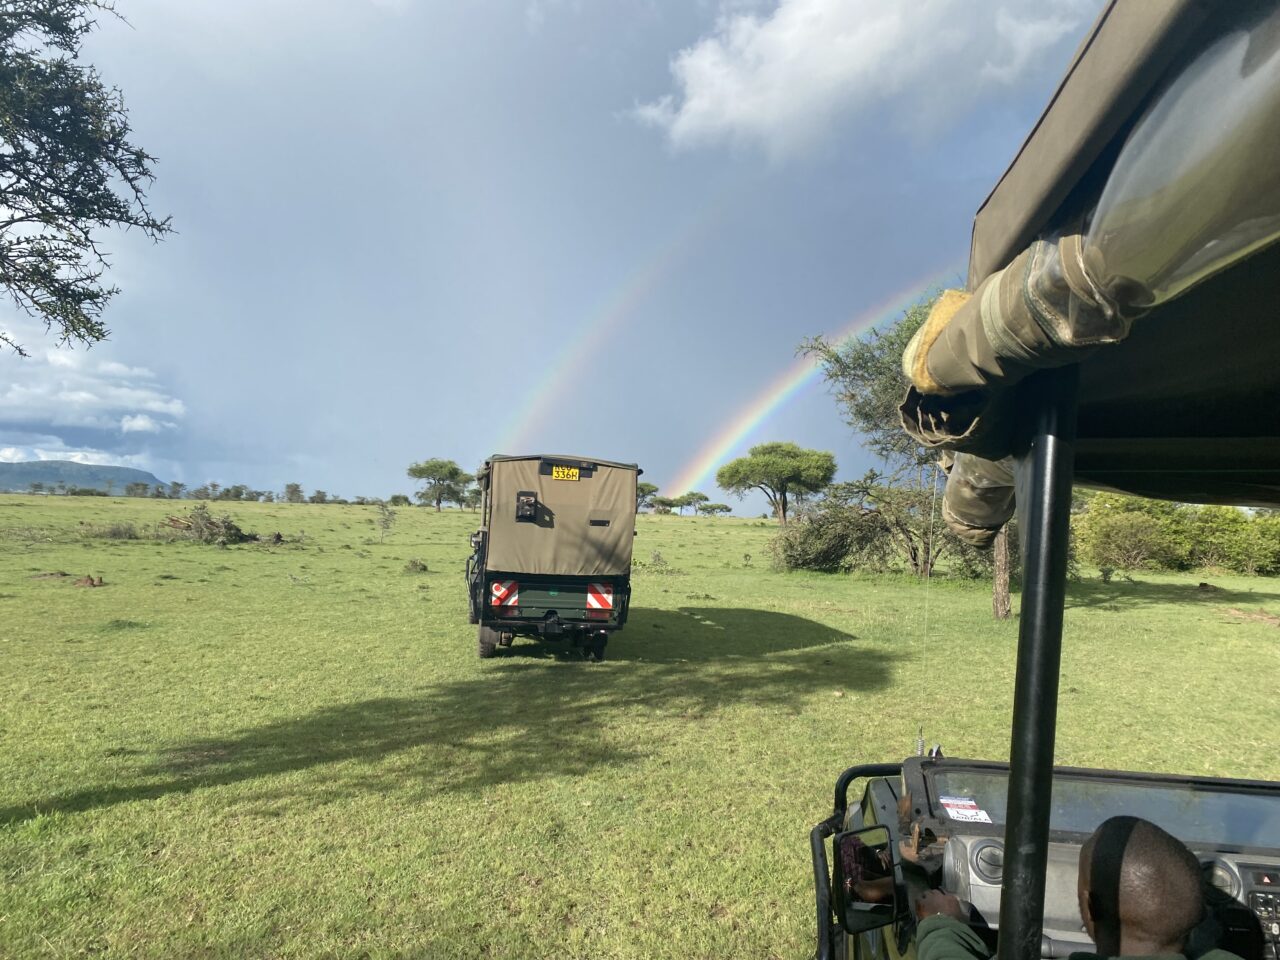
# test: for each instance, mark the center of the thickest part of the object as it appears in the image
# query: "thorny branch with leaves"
(67, 169)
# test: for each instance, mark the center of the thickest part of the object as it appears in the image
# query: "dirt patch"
(1255, 616)
(56, 575)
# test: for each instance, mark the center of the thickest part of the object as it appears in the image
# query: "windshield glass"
(1195, 815)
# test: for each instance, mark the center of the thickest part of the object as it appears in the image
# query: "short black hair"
(1145, 881)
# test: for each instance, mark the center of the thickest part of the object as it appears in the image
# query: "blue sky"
(415, 229)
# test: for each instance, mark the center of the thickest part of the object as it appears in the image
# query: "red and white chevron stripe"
(599, 596)
(505, 593)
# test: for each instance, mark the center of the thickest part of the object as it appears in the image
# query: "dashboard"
(1233, 827)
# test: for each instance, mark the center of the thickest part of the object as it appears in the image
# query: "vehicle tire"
(487, 644)
(597, 648)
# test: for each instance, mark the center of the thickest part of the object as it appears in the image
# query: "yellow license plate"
(564, 473)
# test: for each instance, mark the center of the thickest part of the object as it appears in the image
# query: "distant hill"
(18, 477)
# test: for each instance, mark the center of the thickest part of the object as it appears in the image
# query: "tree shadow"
(1126, 593)
(520, 721)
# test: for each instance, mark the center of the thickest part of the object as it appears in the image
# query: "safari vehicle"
(552, 556)
(1119, 329)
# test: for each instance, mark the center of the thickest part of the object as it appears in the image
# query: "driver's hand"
(934, 902)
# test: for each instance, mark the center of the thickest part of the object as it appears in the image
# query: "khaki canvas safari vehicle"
(1120, 328)
(553, 553)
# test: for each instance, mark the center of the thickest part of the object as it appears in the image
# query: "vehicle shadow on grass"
(1134, 593)
(716, 633)
(518, 721)
(696, 634)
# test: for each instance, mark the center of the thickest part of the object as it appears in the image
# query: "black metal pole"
(1045, 461)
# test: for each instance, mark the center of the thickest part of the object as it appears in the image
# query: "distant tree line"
(236, 492)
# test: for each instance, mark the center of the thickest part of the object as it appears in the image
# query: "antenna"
(928, 579)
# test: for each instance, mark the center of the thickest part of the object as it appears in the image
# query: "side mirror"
(475, 540)
(864, 882)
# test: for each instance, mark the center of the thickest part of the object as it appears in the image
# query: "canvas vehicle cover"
(1134, 235)
(583, 527)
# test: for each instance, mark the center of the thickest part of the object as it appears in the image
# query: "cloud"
(1024, 39)
(783, 80)
(64, 388)
(111, 368)
(76, 404)
(141, 423)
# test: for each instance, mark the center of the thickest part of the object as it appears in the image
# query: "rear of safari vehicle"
(553, 555)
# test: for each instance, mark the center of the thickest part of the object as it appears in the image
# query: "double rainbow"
(593, 334)
(699, 470)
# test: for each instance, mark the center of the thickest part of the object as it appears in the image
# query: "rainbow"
(592, 335)
(731, 437)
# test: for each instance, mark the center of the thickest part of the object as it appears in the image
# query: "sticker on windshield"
(964, 810)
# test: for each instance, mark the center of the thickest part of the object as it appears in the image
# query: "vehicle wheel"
(487, 642)
(597, 648)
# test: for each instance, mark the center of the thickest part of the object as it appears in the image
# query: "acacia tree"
(779, 471)
(693, 498)
(714, 509)
(386, 520)
(471, 498)
(68, 169)
(645, 492)
(443, 481)
(865, 375)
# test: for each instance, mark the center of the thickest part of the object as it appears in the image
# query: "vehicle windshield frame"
(927, 770)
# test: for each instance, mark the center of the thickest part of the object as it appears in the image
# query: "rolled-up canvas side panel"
(583, 527)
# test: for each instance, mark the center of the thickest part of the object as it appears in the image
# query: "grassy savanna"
(292, 751)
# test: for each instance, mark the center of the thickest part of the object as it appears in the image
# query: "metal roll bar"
(1045, 461)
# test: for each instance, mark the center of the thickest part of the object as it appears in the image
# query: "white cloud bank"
(782, 80)
(72, 388)
(76, 404)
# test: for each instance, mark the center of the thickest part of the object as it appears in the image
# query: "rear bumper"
(551, 606)
(550, 627)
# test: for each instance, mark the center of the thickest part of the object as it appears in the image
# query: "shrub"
(1119, 533)
(118, 531)
(115, 531)
(834, 538)
(200, 525)
(1119, 540)
(656, 563)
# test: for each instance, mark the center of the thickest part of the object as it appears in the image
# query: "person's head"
(1139, 889)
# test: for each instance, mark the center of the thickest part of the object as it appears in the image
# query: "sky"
(416, 228)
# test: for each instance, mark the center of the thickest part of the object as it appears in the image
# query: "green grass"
(293, 751)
